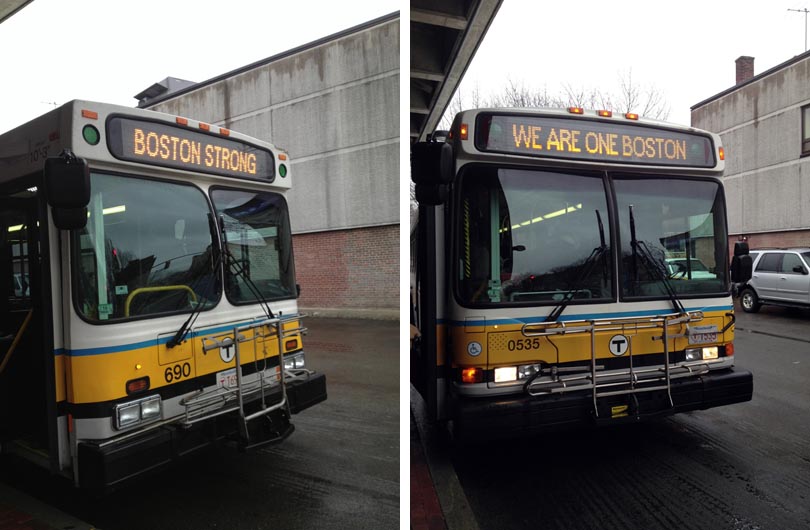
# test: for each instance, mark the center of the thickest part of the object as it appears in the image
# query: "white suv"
(780, 277)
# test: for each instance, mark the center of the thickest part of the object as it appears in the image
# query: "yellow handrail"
(17, 338)
(141, 290)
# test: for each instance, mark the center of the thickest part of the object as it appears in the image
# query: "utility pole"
(805, 11)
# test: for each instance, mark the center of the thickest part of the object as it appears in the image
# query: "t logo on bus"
(226, 353)
(618, 345)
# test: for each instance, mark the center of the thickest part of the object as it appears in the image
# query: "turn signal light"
(472, 375)
(137, 385)
(722, 154)
(464, 131)
(729, 349)
(291, 344)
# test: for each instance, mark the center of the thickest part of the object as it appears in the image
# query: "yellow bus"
(570, 268)
(148, 303)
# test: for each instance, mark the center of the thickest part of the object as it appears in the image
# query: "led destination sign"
(593, 140)
(166, 145)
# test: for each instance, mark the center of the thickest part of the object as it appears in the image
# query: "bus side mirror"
(67, 190)
(741, 263)
(431, 171)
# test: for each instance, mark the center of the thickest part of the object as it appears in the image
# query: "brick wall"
(794, 238)
(355, 269)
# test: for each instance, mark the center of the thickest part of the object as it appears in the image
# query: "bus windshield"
(146, 249)
(538, 236)
(682, 224)
(525, 236)
(257, 230)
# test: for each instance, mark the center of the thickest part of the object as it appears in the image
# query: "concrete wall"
(767, 182)
(334, 106)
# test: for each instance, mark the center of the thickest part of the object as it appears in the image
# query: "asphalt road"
(339, 469)
(741, 467)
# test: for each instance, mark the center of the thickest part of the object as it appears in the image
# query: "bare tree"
(461, 101)
(648, 101)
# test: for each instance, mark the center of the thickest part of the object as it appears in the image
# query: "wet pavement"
(785, 322)
(339, 469)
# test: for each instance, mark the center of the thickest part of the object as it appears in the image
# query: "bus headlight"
(128, 415)
(525, 371)
(505, 374)
(704, 354)
(136, 412)
(292, 362)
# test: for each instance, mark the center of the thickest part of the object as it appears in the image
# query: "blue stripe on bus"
(535, 320)
(143, 344)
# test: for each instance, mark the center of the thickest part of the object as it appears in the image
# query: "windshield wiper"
(640, 249)
(584, 272)
(180, 336)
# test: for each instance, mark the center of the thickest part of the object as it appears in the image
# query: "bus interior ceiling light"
(567, 209)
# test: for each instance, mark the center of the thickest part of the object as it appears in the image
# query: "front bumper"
(103, 466)
(524, 415)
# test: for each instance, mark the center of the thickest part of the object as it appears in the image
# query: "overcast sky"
(53, 51)
(685, 49)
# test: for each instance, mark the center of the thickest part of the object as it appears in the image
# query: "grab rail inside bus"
(141, 290)
(16, 340)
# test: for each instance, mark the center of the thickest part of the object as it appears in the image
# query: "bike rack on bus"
(618, 382)
(207, 404)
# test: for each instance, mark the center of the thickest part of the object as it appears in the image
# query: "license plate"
(703, 334)
(227, 378)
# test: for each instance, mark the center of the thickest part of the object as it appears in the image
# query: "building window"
(806, 130)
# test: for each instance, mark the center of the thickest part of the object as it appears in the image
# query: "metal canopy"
(444, 37)
(9, 7)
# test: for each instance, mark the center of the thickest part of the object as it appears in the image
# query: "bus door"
(26, 344)
(432, 172)
(423, 349)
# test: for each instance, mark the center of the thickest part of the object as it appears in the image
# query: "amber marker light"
(282, 156)
(472, 375)
(89, 114)
(224, 132)
(181, 121)
(722, 153)
(204, 126)
(631, 116)
(291, 344)
(576, 110)
(605, 113)
(464, 131)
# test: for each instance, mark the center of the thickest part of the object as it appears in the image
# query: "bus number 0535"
(523, 344)
(177, 372)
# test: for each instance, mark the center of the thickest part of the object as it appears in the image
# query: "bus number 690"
(177, 372)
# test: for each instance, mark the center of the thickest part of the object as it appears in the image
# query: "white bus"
(559, 272)
(159, 312)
